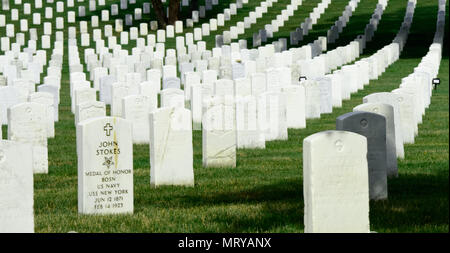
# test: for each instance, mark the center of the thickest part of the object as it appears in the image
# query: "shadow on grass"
(185, 13)
(279, 204)
(423, 26)
(414, 199)
(418, 199)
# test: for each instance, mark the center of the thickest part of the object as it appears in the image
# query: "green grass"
(265, 192)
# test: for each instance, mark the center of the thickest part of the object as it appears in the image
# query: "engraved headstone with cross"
(105, 166)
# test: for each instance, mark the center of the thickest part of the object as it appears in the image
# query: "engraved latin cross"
(107, 128)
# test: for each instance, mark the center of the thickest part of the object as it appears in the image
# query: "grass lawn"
(264, 193)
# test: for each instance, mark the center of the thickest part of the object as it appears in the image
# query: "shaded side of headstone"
(388, 112)
(389, 98)
(373, 127)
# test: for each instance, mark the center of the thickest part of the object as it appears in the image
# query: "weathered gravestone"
(248, 133)
(258, 83)
(90, 109)
(150, 90)
(283, 44)
(106, 83)
(5, 5)
(191, 78)
(263, 35)
(256, 40)
(25, 86)
(312, 99)
(326, 99)
(26, 123)
(335, 183)
(295, 106)
(46, 99)
(172, 97)
(185, 67)
(373, 127)
(196, 105)
(82, 95)
(242, 87)
(3, 80)
(225, 72)
(350, 73)
(172, 82)
(169, 71)
(105, 166)
(238, 70)
(272, 115)
(336, 89)
(119, 90)
(146, 8)
(294, 38)
(219, 136)
(136, 108)
(219, 40)
(123, 4)
(52, 89)
(273, 79)
(78, 84)
(223, 87)
(16, 188)
(9, 96)
(171, 151)
(98, 73)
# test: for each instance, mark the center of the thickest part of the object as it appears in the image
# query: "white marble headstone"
(219, 136)
(46, 99)
(295, 106)
(248, 131)
(335, 183)
(171, 150)
(89, 109)
(390, 98)
(272, 115)
(16, 188)
(27, 124)
(105, 166)
(312, 94)
(119, 90)
(136, 108)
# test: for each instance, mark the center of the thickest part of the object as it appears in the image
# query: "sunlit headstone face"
(105, 166)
